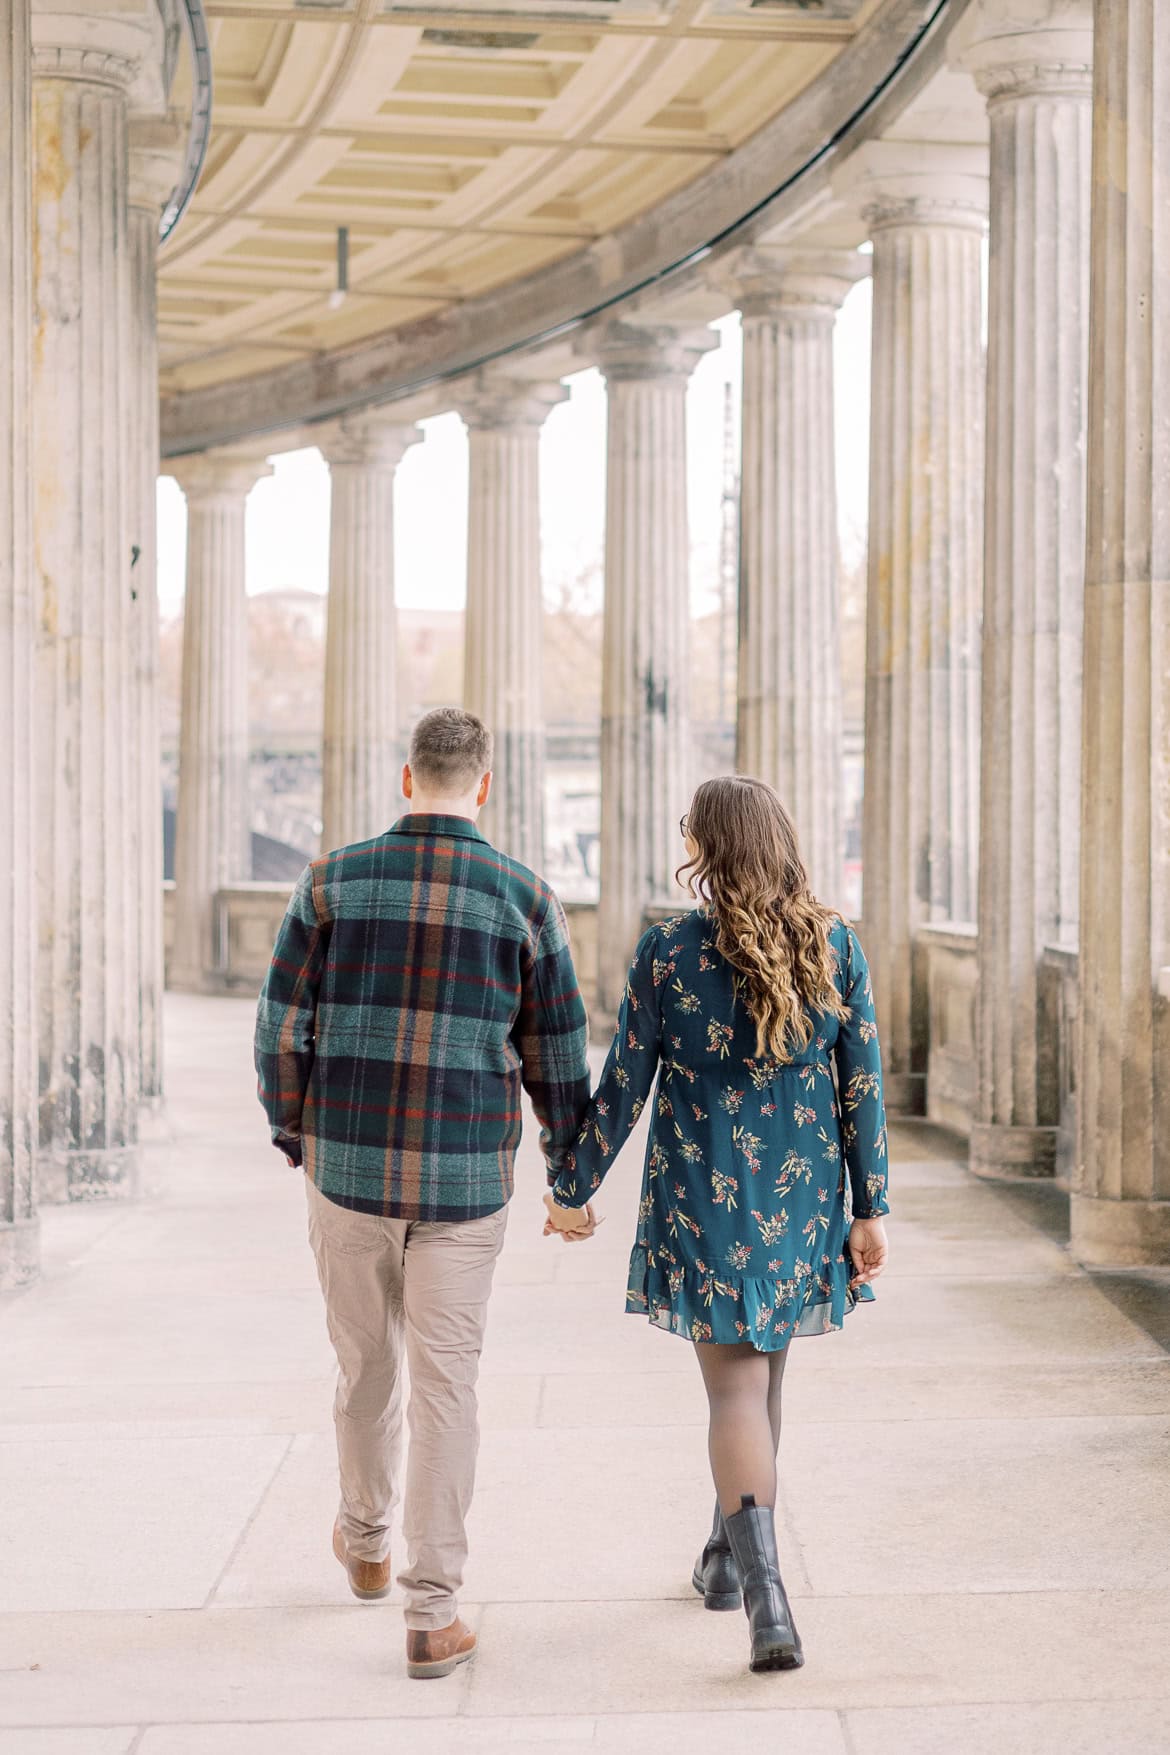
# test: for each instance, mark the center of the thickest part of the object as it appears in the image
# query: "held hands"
(868, 1250)
(573, 1224)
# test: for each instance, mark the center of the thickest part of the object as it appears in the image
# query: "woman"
(768, 1116)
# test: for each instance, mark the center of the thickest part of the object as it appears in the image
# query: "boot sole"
(716, 1599)
(776, 1657)
(440, 1666)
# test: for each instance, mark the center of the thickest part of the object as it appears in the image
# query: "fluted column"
(504, 641)
(926, 212)
(212, 829)
(153, 172)
(19, 1256)
(1038, 85)
(1121, 1194)
(84, 65)
(359, 749)
(645, 722)
(788, 714)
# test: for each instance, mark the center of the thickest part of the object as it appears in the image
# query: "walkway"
(976, 1490)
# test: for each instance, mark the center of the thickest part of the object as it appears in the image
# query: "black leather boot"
(775, 1641)
(715, 1577)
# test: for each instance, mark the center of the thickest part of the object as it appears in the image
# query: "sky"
(288, 513)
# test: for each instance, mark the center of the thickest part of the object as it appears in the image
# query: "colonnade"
(87, 160)
(1017, 734)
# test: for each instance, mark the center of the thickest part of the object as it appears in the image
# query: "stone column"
(788, 717)
(920, 814)
(359, 785)
(19, 1256)
(153, 171)
(212, 831)
(84, 65)
(1038, 85)
(503, 647)
(1121, 1193)
(645, 723)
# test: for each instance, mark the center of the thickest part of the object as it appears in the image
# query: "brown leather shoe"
(368, 1579)
(440, 1652)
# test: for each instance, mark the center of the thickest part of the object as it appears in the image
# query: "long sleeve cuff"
(289, 1144)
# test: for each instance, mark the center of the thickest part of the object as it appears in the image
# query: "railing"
(247, 918)
(950, 952)
(200, 130)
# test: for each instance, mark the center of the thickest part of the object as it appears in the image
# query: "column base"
(905, 1093)
(1119, 1233)
(87, 1176)
(1005, 1153)
(20, 1254)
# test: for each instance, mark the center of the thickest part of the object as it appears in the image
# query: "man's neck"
(441, 807)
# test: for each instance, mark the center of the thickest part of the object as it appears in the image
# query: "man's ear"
(485, 787)
(407, 781)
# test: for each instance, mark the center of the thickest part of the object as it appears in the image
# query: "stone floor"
(976, 1511)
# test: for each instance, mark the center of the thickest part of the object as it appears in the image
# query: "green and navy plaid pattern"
(418, 980)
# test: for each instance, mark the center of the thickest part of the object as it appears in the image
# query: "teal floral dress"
(754, 1166)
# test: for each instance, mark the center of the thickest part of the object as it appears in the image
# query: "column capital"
(493, 402)
(627, 349)
(898, 183)
(156, 161)
(774, 278)
(102, 45)
(218, 475)
(1026, 48)
(372, 437)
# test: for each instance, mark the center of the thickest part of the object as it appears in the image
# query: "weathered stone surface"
(1121, 1190)
(212, 836)
(155, 154)
(788, 713)
(18, 1222)
(926, 210)
(84, 66)
(503, 647)
(1037, 82)
(359, 785)
(644, 709)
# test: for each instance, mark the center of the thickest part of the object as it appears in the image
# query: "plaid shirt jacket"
(418, 980)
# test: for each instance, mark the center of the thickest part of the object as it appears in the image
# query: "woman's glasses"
(684, 826)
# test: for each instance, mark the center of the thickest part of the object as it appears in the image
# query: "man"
(419, 979)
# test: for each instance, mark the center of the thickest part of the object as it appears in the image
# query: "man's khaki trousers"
(395, 1286)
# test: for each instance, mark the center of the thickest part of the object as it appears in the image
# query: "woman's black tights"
(743, 1392)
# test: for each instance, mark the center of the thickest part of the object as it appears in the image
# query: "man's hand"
(573, 1224)
(868, 1250)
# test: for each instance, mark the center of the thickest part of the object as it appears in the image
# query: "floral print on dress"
(753, 1167)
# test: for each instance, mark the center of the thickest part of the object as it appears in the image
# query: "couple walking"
(418, 981)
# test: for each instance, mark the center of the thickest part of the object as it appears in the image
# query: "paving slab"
(645, 1733)
(187, 1666)
(125, 1524)
(1051, 1727)
(76, 1740)
(859, 1651)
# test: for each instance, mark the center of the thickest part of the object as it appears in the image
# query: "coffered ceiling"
(463, 146)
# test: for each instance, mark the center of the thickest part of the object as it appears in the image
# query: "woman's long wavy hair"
(748, 872)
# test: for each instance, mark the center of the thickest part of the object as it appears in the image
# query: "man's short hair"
(449, 751)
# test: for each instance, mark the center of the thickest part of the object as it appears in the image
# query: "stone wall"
(950, 957)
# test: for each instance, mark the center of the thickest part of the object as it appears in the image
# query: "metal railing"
(200, 130)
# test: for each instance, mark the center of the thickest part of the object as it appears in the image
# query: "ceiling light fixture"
(337, 296)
